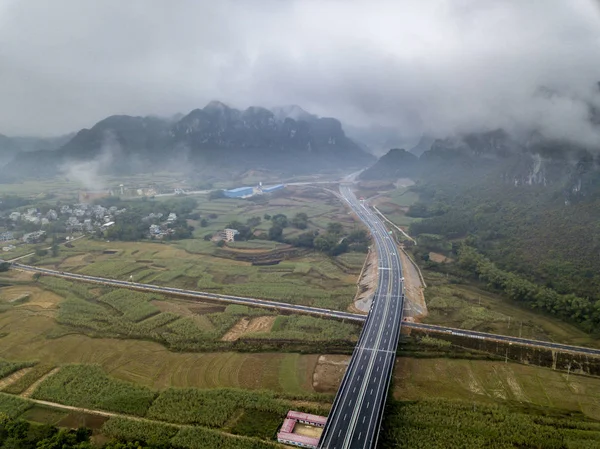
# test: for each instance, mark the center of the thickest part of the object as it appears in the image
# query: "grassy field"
(468, 307)
(495, 382)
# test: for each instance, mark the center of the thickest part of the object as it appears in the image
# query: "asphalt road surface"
(355, 417)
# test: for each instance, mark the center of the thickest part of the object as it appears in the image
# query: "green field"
(444, 424)
(457, 304)
(311, 280)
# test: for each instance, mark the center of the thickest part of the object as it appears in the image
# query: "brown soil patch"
(415, 306)
(76, 260)
(13, 378)
(308, 431)
(247, 326)
(329, 372)
(187, 308)
(19, 275)
(27, 393)
(367, 284)
(439, 258)
(37, 297)
(173, 307)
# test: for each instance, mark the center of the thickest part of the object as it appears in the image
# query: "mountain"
(424, 144)
(393, 165)
(294, 112)
(214, 136)
(8, 149)
(32, 143)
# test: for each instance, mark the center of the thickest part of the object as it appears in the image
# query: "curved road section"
(357, 410)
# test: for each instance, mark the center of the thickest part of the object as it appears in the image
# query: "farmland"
(81, 322)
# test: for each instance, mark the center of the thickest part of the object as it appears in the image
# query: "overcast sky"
(434, 65)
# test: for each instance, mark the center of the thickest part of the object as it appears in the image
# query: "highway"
(357, 410)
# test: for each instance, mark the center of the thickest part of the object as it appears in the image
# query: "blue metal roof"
(239, 189)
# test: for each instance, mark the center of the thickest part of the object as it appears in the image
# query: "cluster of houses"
(158, 231)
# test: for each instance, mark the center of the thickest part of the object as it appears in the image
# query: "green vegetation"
(584, 311)
(528, 231)
(200, 438)
(447, 424)
(301, 327)
(7, 368)
(257, 423)
(17, 433)
(12, 406)
(129, 430)
(24, 382)
(211, 408)
(88, 386)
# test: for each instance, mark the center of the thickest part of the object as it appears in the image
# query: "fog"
(436, 66)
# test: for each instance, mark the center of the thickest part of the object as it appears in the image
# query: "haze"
(438, 66)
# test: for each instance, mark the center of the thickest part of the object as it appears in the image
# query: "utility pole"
(569, 369)
(509, 322)
(521, 329)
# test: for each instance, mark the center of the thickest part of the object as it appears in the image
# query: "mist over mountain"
(214, 136)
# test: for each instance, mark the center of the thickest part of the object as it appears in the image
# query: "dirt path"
(247, 326)
(27, 393)
(13, 378)
(415, 307)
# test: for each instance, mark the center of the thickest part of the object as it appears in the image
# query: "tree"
(335, 228)
(267, 217)
(37, 276)
(216, 194)
(300, 220)
(203, 223)
(280, 220)
(41, 252)
(54, 250)
(275, 233)
(4, 266)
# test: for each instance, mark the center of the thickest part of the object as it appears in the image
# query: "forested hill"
(533, 210)
(395, 164)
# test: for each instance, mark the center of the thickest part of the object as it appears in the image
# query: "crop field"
(36, 334)
(25, 381)
(13, 406)
(468, 307)
(491, 381)
(7, 368)
(445, 424)
(311, 280)
(87, 386)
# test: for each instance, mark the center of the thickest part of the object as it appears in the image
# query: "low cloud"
(437, 66)
(89, 173)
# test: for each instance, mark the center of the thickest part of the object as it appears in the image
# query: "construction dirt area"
(248, 326)
(414, 302)
(367, 284)
(329, 372)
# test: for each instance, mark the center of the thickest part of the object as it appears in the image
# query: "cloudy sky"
(435, 65)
